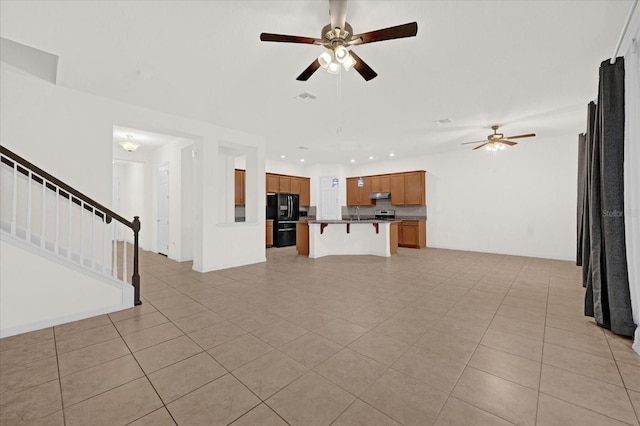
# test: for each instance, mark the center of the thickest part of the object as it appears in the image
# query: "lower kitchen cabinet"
(302, 239)
(412, 233)
(269, 233)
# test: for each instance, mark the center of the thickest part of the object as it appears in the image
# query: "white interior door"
(163, 209)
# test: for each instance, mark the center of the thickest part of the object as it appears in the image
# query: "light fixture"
(371, 157)
(129, 144)
(353, 161)
(283, 156)
(302, 160)
(332, 59)
(495, 146)
(391, 154)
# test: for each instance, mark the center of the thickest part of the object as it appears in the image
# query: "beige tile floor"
(426, 337)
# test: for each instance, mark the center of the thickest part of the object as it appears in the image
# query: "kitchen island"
(348, 237)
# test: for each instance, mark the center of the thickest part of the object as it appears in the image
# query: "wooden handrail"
(77, 194)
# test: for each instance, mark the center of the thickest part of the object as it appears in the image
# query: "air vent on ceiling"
(444, 121)
(305, 97)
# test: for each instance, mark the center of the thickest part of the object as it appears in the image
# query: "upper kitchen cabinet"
(359, 195)
(408, 189)
(285, 184)
(295, 185)
(381, 183)
(239, 187)
(273, 183)
(305, 192)
(290, 185)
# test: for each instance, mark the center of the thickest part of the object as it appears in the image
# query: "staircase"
(64, 256)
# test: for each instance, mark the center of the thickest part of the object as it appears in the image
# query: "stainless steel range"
(385, 214)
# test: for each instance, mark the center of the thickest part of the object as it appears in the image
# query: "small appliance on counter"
(385, 214)
(284, 209)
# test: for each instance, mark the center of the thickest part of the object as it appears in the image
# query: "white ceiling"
(530, 66)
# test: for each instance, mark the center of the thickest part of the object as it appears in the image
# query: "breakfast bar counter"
(352, 237)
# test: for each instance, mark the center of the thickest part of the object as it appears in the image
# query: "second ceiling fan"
(337, 37)
(498, 141)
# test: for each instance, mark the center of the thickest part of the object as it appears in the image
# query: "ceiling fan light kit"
(337, 37)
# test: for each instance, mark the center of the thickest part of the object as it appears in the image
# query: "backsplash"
(401, 211)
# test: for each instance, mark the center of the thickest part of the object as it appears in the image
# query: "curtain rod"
(624, 30)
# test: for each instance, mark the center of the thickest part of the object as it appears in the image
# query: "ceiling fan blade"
(467, 143)
(309, 71)
(363, 69)
(528, 135)
(399, 31)
(338, 13)
(480, 146)
(281, 38)
(506, 142)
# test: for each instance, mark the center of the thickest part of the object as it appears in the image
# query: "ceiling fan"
(337, 37)
(497, 141)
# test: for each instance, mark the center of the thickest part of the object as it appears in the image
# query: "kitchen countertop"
(353, 221)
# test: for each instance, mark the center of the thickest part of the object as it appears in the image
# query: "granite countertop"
(349, 221)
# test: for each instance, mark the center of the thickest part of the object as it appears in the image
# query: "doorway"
(163, 209)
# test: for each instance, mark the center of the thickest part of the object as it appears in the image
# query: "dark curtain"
(603, 248)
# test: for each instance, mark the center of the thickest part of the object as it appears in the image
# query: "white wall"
(519, 201)
(70, 134)
(27, 293)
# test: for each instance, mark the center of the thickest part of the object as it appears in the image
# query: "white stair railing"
(49, 215)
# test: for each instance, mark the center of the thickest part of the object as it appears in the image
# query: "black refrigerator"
(284, 209)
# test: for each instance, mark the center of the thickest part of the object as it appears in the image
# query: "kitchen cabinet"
(414, 188)
(359, 196)
(285, 184)
(239, 187)
(412, 233)
(305, 192)
(408, 189)
(397, 189)
(381, 183)
(290, 184)
(273, 183)
(269, 233)
(302, 239)
(295, 185)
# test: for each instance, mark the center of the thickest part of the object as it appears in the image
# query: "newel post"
(135, 279)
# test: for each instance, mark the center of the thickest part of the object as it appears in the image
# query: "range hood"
(380, 196)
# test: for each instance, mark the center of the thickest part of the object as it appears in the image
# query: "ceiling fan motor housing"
(334, 37)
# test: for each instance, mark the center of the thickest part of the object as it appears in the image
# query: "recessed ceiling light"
(283, 156)
(353, 161)
(302, 160)
(371, 157)
(444, 121)
(391, 154)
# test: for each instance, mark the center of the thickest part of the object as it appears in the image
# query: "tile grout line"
(55, 345)
(544, 332)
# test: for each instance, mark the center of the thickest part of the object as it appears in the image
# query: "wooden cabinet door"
(414, 191)
(385, 183)
(397, 189)
(365, 190)
(305, 192)
(352, 191)
(375, 184)
(410, 234)
(269, 234)
(239, 187)
(400, 234)
(273, 183)
(285, 184)
(295, 185)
